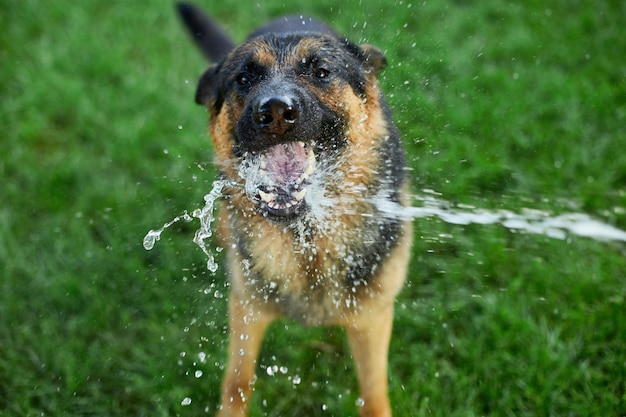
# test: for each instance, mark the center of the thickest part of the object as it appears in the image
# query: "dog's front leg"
(247, 326)
(369, 337)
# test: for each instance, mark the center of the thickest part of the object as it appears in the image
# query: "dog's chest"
(307, 274)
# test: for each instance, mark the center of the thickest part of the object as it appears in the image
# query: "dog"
(299, 125)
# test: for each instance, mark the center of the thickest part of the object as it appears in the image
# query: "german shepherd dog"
(298, 122)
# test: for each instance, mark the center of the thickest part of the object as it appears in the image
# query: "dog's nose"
(276, 114)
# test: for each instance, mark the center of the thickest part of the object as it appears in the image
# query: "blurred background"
(500, 105)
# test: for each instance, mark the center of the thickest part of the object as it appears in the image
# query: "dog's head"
(284, 108)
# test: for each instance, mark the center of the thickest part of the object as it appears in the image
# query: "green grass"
(500, 106)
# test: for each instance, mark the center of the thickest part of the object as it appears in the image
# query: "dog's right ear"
(208, 92)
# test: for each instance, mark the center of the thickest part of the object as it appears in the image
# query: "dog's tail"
(210, 38)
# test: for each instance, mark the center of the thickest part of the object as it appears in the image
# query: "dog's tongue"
(286, 162)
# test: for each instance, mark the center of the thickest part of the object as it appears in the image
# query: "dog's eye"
(321, 73)
(244, 78)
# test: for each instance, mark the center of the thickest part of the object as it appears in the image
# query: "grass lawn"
(500, 106)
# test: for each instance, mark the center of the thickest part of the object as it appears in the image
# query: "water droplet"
(271, 370)
(211, 265)
(360, 402)
(198, 373)
(186, 401)
(150, 239)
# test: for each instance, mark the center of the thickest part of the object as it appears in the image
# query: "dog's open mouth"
(278, 177)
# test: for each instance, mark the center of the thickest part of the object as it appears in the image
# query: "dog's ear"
(208, 92)
(209, 37)
(372, 58)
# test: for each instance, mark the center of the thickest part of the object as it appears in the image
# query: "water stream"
(527, 220)
(204, 214)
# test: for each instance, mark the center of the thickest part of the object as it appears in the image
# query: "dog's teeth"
(310, 159)
(277, 206)
(304, 176)
(299, 195)
(263, 162)
(267, 197)
(302, 144)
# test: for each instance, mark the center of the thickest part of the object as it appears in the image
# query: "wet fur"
(340, 262)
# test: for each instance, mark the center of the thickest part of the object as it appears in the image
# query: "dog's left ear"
(207, 91)
(372, 58)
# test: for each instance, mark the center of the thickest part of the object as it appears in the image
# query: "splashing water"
(531, 221)
(154, 235)
(205, 215)
(206, 218)
(528, 220)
